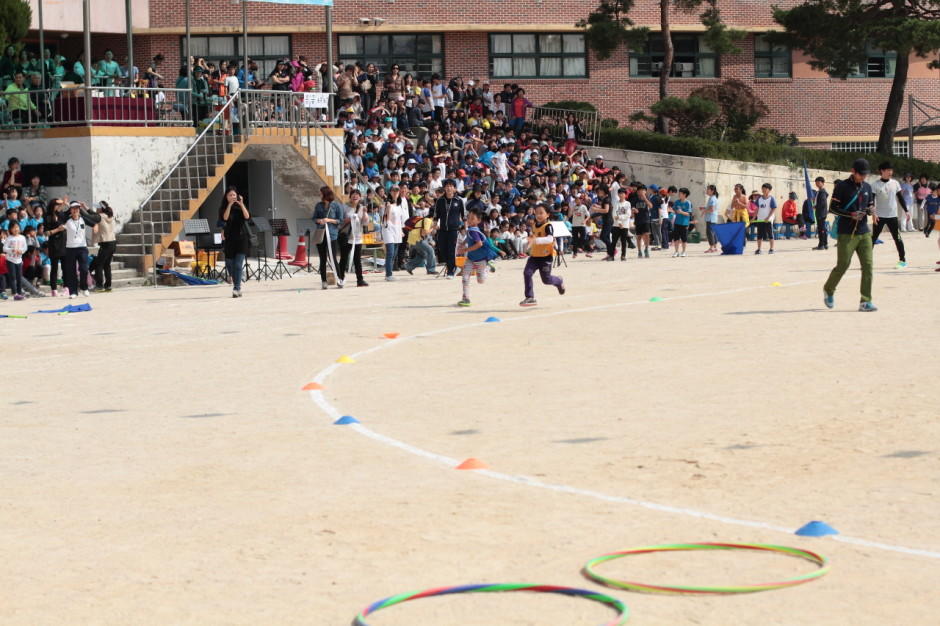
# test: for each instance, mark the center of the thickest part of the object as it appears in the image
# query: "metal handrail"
(590, 121)
(159, 186)
(131, 106)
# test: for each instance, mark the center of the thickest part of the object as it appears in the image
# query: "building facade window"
(418, 55)
(538, 55)
(899, 149)
(880, 64)
(265, 50)
(771, 61)
(692, 57)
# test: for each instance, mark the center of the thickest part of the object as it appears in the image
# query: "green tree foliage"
(688, 116)
(609, 26)
(15, 18)
(835, 34)
(740, 109)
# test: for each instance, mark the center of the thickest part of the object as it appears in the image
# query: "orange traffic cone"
(300, 259)
(282, 248)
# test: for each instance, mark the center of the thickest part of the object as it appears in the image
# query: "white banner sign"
(313, 100)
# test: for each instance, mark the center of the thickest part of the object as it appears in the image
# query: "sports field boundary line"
(318, 397)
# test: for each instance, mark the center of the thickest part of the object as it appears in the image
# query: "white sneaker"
(675, 255)
(682, 254)
(341, 282)
(72, 296)
(85, 293)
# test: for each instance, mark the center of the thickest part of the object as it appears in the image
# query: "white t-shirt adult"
(75, 234)
(886, 197)
(765, 206)
(439, 95)
(394, 221)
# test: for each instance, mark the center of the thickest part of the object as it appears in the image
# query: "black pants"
(579, 234)
(79, 282)
(102, 263)
(323, 254)
(15, 277)
(354, 249)
(892, 224)
(55, 262)
(447, 244)
(401, 256)
(822, 230)
(621, 235)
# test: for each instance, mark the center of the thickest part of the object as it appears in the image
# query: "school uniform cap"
(861, 166)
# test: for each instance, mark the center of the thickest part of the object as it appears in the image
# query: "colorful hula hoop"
(636, 586)
(617, 605)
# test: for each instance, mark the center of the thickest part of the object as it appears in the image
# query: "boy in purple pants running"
(541, 257)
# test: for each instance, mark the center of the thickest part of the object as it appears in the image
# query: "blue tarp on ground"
(189, 280)
(71, 308)
(731, 237)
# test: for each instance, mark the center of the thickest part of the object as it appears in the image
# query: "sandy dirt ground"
(160, 464)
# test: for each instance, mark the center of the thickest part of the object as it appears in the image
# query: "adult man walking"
(888, 197)
(821, 209)
(852, 201)
(448, 215)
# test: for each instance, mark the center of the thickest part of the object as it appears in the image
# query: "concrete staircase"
(151, 230)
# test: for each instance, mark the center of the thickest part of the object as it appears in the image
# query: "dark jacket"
(847, 198)
(450, 213)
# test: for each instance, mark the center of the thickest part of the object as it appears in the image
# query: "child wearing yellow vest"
(541, 257)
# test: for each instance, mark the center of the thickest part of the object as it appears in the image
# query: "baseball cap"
(599, 157)
(861, 166)
(410, 161)
(75, 203)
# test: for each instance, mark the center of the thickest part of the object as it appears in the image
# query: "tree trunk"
(668, 53)
(895, 102)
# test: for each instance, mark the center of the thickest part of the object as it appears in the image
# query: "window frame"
(390, 58)
(650, 57)
(770, 56)
(875, 53)
(266, 62)
(538, 55)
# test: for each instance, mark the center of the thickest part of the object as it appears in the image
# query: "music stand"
(196, 229)
(559, 230)
(306, 226)
(279, 229)
(261, 226)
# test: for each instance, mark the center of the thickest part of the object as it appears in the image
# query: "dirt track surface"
(160, 464)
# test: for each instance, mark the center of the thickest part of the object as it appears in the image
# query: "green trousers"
(849, 244)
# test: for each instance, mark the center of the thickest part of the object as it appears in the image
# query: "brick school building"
(534, 43)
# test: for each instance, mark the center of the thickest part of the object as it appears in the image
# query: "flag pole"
(189, 67)
(42, 49)
(86, 18)
(245, 41)
(328, 87)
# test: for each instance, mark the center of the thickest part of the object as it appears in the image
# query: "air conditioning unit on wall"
(685, 67)
(656, 66)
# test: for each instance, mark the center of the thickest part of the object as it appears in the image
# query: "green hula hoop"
(623, 613)
(821, 561)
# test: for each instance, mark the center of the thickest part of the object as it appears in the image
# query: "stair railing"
(183, 173)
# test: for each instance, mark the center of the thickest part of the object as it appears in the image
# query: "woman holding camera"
(236, 241)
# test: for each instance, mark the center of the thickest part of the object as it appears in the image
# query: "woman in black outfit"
(235, 239)
(55, 245)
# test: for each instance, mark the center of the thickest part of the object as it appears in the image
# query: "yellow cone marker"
(345, 359)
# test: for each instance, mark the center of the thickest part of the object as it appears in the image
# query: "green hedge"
(629, 139)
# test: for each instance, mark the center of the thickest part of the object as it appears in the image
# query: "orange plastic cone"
(282, 252)
(312, 387)
(473, 464)
(300, 258)
(390, 335)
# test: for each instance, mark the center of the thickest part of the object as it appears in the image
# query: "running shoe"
(390, 278)
(771, 251)
(18, 296)
(561, 288)
(646, 253)
(675, 255)
(528, 302)
(682, 254)
(757, 252)
(85, 293)
(867, 307)
(901, 265)
(877, 241)
(464, 302)
(829, 299)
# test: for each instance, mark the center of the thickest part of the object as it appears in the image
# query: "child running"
(680, 229)
(541, 257)
(476, 257)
